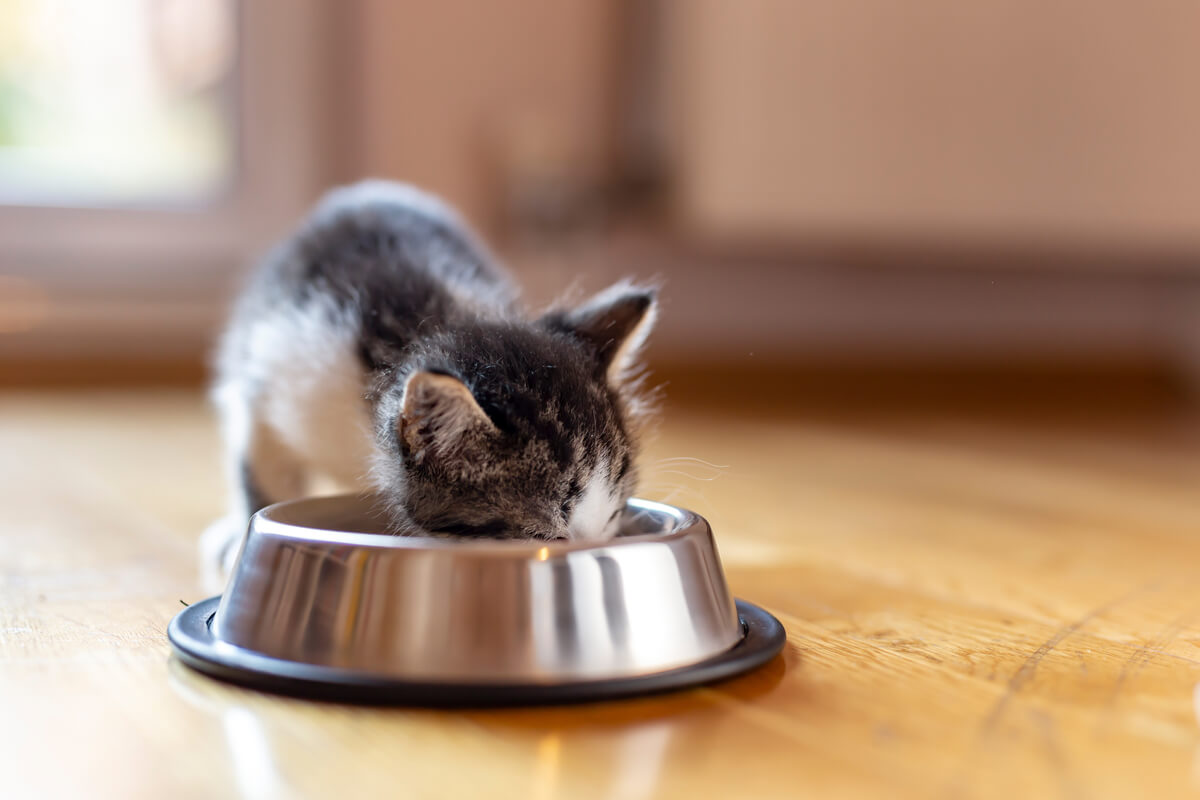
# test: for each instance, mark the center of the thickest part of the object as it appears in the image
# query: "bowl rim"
(264, 523)
(196, 645)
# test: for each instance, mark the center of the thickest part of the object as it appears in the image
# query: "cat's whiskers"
(687, 475)
(659, 485)
(701, 461)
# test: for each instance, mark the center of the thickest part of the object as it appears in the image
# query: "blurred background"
(859, 201)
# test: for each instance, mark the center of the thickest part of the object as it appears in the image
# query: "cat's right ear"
(613, 325)
(438, 414)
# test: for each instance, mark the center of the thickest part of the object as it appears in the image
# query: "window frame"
(99, 270)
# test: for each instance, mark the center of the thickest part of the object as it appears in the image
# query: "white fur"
(594, 516)
(315, 405)
(313, 415)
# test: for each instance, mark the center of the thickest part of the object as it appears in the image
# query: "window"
(149, 150)
(124, 102)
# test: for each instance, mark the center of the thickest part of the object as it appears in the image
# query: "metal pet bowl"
(321, 603)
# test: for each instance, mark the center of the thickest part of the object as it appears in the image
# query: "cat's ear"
(438, 414)
(614, 324)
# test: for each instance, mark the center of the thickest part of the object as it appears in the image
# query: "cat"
(382, 345)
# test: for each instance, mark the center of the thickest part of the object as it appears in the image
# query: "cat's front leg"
(262, 470)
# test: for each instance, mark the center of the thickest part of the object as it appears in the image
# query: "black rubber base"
(195, 645)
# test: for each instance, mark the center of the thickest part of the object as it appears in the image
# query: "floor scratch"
(1024, 673)
(1142, 655)
(1029, 667)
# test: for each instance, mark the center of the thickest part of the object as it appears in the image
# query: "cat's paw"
(219, 546)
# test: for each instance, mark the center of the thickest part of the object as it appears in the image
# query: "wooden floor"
(974, 609)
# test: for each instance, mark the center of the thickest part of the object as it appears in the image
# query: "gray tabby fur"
(383, 347)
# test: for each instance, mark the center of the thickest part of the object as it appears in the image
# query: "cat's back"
(381, 242)
(374, 265)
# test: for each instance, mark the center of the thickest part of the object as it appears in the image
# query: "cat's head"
(520, 430)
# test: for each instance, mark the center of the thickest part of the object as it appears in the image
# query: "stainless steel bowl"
(322, 601)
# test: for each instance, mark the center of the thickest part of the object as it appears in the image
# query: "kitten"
(382, 346)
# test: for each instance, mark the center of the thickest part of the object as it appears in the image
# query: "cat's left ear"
(614, 325)
(439, 415)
